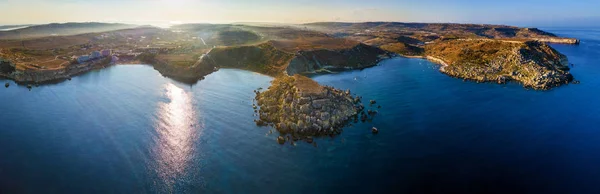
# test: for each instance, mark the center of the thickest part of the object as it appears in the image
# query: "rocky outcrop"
(542, 36)
(8, 70)
(357, 57)
(534, 64)
(299, 106)
(558, 40)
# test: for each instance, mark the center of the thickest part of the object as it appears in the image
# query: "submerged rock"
(309, 139)
(280, 140)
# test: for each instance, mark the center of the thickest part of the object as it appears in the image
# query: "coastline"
(52, 76)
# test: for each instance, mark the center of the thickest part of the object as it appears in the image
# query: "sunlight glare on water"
(176, 128)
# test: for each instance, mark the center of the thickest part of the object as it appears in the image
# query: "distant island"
(485, 53)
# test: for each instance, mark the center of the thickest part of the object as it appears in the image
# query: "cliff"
(9, 70)
(532, 63)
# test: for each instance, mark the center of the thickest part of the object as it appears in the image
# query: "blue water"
(126, 129)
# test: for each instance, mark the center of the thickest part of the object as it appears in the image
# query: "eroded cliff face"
(534, 64)
(357, 57)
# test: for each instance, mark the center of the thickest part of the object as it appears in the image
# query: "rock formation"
(9, 70)
(299, 106)
(534, 64)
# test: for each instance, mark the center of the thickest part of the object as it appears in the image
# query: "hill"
(61, 29)
(12, 27)
(532, 63)
(426, 32)
(262, 58)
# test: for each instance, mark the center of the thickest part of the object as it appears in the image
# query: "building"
(83, 58)
(106, 52)
(96, 54)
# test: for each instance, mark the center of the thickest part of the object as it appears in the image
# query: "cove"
(128, 129)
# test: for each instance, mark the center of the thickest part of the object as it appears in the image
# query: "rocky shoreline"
(533, 64)
(559, 40)
(48, 76)
(301, 108)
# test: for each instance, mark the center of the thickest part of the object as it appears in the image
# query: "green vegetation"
(237, 37)
(147, 58)
(263, 58)
(404, 49)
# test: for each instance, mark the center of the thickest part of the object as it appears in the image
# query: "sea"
(127, 129)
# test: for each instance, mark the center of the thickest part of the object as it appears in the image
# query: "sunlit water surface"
(127, 129)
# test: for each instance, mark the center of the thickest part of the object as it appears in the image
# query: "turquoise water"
(126, 129)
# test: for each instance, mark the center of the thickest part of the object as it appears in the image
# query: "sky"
(513, 12)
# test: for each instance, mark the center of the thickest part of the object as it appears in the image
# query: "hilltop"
(426, 32)
(11, 27)
(61, 29)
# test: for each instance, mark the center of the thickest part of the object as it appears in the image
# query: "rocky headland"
(267, 59)
(531, 63)
(299, 106)
(186, 74)
(40, 76)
